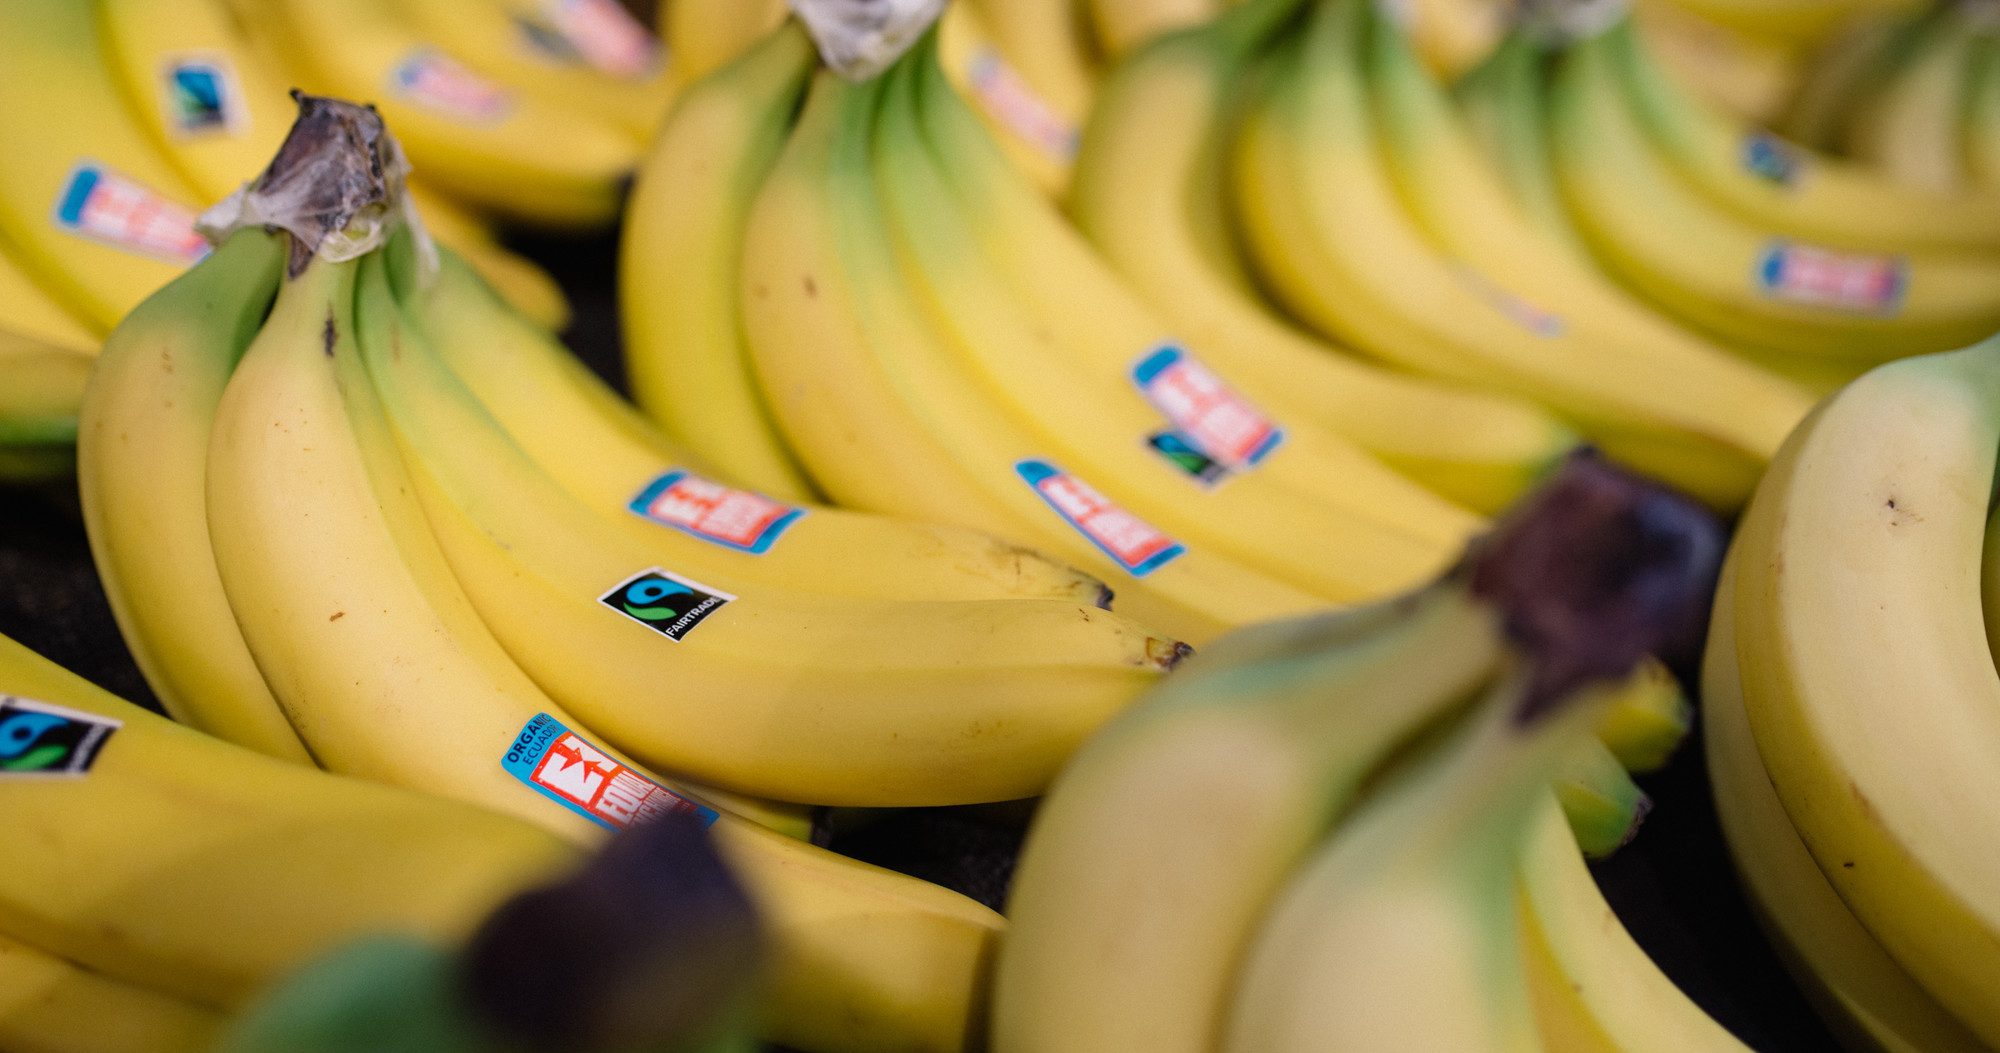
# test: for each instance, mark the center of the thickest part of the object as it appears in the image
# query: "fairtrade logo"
(201, 97)
(665, 603)
(1177, 449)
(40, 739)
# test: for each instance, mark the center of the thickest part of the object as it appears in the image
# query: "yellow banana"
(48, 1005)
(26, 310)
(1048, 41)
(706, 35)
(1908, 127)
(40, 389)
(1034, 134)
(1123, 25)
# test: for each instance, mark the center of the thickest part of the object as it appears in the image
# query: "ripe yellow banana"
(1749, 77)
(1857, 585)
(1121, 26)
(483, 142)
(97, 216)
(705, 35)
(142, 466)
(607, 458)
(1036, 136)
(681, 255)
(40, 389)
(1501, 101)
(1840, 69)
(1862, 993)
(852, 371)
(1086, 384)
(1795, 189)
(1150, 193)
(26, 310)
(1908, 126)
(942, 702)
(1790, 20)
(1709, 419)
(1982, 121)
(1744, 281)
(183, 864)
(49, 1005)
(1048, 41)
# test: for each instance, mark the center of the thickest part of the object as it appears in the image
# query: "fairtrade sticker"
(437, 81)
(1771, 159)
(41, 740)
(1002, 92)
(202, 97)
(1185, 455)
(732, 518)
(1817, 277)
(666, 603)
(1205, 412)
(1136, 545)
(566, 768)
(98, 203)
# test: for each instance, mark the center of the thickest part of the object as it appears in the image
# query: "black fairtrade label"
(666, 603)
(38, 739)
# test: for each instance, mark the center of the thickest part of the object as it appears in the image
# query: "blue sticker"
(736, 519)
(1819, 277)
(566, 768)
(1133, 543)
(1205, 411)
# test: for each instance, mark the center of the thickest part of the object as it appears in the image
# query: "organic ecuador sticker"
(99, 204)
(435, 80)
(38, 739)
(1137, 545)
(666, 603)
(1002, 92)
(201, 96)
(1771, 159)
(732, 518)
(1206, 412)
(1819, 277)
(607, 36)
(563, 766)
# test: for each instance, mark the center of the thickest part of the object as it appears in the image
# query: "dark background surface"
(1673, 886)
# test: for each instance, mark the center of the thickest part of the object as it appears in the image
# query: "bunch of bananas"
(1851, 696)
(1339, 833)
(353, 511)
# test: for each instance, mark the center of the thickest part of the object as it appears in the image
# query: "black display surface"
(1673, 886)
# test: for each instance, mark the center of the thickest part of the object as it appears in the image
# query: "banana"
(97, 216)
(1908, 126)
(1015, 684)
(373, 650)
(681, 252)
(203, 871)
(1982, 121)
(1751, 78)
(1800, 21)
(1744, 281)
(706, 35)
(218, 115)
(1401, 931)
(142, 464)
(1839, 70)
(1857, 580)
(1048, 42)
(588, 57)
(1035, 136)
(1121, 26)
(1149, 193)
(1083, 383)
(482, 142)
(1587, 975)
(595, 448)
(532, 290)
(1502, 103)
(848, 364)
(25, 310)
(1721, 418)
(1453, 36)
(1170, 833)
(1794, 189)
(40, 389)
(1597, 796)
(48, 1005)
(1861, 992)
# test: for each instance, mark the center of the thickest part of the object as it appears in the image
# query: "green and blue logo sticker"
(1205, 413)
(568, 769)
(664, 602)
(45, 741)
(202, 97)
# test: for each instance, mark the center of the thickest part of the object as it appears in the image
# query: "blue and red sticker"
(723, 515)
(1215, 430)
(97, 203)
(1818, 277)
(566, 768)
(1133, 543)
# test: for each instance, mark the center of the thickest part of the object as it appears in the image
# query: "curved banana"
(1150, 862)
(1049, 42)
(389, 674)
(95, 214)
(1982, 120)
(1851, 980)
(1857, 580)
(705, 35)
(605, 457)
(1501, 101)
(1150, 194)
(1800, 20)
(1037, 137)
(681, 252)
(1714, 418)
(1082, 383)
(40, 389)
(1795, 189)
(1740, 280)
(847, 361)
(942, 702)
(1748, 77)
(176, 862)
(27, 311)
(142, 466)
(1453, 36)
(218, 116)
(482, 142)
(1840, 71)
(1596, 794)
(48, 1005)
(1121, 26)
(1908, 127)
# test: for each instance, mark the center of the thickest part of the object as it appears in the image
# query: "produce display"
(1301, 469)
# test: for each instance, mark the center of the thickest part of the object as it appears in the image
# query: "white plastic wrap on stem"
(858, 39)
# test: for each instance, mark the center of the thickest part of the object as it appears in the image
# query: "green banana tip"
(651, 944)
(1593, 573)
